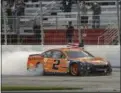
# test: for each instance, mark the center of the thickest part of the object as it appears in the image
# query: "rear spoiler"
(75, 45)
(35, 55)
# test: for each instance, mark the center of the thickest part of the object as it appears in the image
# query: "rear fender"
(33, 61)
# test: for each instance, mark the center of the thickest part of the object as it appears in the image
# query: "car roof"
(68, 49)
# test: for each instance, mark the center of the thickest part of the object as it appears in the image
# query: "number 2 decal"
(55, 64)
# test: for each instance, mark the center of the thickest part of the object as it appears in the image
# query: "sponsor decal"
(31, 65)
(45, 60)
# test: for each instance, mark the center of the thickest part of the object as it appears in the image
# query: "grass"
(22, 88)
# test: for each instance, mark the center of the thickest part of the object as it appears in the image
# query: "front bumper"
(97, 69)
(100, 68)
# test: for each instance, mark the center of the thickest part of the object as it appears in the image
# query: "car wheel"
(75, 70)
(109, 71)
(37, 70)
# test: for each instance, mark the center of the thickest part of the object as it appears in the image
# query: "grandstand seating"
(57, 36)
(108, 15)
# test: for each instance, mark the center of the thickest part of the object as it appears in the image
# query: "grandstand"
(108, 16)
(55, 22)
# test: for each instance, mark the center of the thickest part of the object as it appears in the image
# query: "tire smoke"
(14, 63)
(14, 60)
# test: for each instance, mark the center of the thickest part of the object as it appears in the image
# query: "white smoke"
(14, 60)
(14, 63)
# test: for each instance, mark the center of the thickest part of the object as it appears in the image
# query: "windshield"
(78, 54)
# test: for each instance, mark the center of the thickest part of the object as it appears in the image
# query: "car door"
(48, 61)
(60, 62)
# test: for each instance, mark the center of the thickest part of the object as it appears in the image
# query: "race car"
(74, 61)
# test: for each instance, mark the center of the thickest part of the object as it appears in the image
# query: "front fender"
(77, 62)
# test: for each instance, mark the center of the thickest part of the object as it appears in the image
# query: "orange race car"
(73, 61)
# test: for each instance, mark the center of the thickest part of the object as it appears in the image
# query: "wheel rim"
(74, 69)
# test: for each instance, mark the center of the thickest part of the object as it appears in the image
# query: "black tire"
(109, 71)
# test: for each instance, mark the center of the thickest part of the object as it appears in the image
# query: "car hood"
(92, 60)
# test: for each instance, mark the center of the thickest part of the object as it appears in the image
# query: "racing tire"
(75, 70)
(109, 71)
(37, 71)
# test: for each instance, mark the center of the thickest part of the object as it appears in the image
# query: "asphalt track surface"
(109, 83)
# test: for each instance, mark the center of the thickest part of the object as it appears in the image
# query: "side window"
(58, 55)
(47, 54)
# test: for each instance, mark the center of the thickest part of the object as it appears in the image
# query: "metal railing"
(5, 25)
(110, 33)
